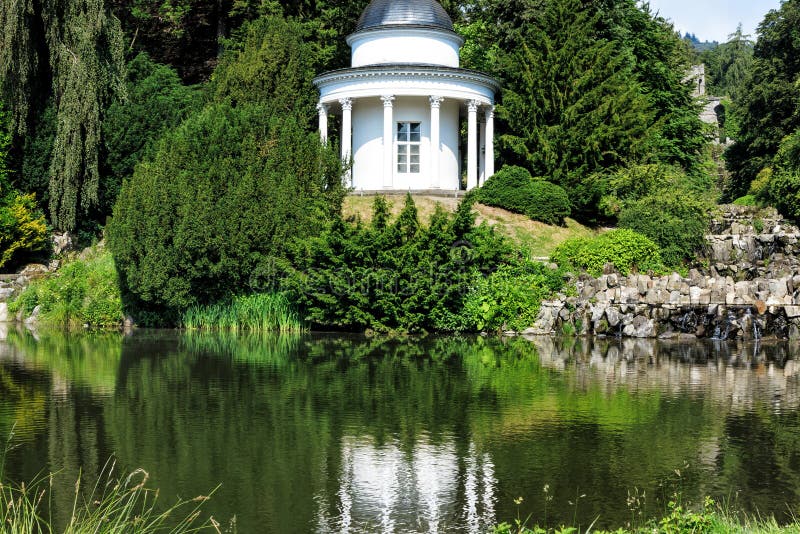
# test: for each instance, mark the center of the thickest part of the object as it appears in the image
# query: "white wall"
(368, 144)
(407, 46)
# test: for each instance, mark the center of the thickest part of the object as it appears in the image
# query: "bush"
(513, 189)
(747, 200)
(395, 275)
(83, 292)
(627, 250)
(676, 221)
(510, 297)
(226, 195)
(223, 200)
(156, 102)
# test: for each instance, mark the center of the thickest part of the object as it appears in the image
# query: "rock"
(792, 311)
(761, 307)
(694, 295)
(643, 327)
(778, 288)
(4, 318)
(34, 317)
(129, 323)
(613, 317)
(62, 243)
(34, 269)
(6, 293)
(612, 280)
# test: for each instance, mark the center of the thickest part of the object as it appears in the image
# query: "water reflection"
(376, 484)
(346, 434)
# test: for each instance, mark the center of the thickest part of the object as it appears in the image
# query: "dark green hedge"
(514, 189)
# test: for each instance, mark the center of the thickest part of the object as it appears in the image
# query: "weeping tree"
(70, 53)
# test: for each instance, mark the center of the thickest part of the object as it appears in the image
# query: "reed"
(114, 505)
(268, 312)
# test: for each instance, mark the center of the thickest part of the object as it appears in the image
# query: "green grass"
(535, 239)
(115, 504)
(82, 293)
(711, 518)
(269, 312)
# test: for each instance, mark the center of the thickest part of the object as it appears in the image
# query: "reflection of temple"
(382, 488)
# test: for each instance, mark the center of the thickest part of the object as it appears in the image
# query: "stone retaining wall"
(671, 306)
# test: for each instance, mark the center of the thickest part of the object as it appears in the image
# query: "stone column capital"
(489, 113)
(388, 100)
(347, 103)
(436, 101)
(322, 108)
(473, 105)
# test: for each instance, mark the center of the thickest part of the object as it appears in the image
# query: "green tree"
(768, 109)
(729, 66)
(227, 195)
(571, 102)
(156, 102)
(69, 52)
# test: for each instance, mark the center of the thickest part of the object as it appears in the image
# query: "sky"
(714, 20)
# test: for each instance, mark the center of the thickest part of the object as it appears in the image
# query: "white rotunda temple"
(403, 99)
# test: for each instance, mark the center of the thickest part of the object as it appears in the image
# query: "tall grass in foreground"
(268, 312)
(114, 506)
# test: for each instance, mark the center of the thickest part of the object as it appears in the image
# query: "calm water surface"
(346, 434)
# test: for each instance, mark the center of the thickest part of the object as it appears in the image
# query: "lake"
(331, 433)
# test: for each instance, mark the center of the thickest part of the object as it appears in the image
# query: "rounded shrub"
(627, 250)
(514, 189)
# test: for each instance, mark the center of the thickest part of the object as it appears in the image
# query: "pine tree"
(571, 103)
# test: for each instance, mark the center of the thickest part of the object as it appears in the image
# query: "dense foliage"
(588, 87)
(663, 203)
(783, 189)
(226, 194)
(85, 293)
(156, 102)
(728, 65)
(510, 297)
(626, 250)
(514, 189)
(70, 53)
(768, 110)
(23, 231)
(394, 275)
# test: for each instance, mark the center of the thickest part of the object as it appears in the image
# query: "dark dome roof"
(404, 13)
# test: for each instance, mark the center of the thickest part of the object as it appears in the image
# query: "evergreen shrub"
(514, 189)
(395, 275)
(627, 250)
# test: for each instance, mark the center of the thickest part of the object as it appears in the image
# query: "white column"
(472, 145)
(323, 122)
(489, 171)
(388, 140)
(436, 144)
(347, 128)
(482, 154)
